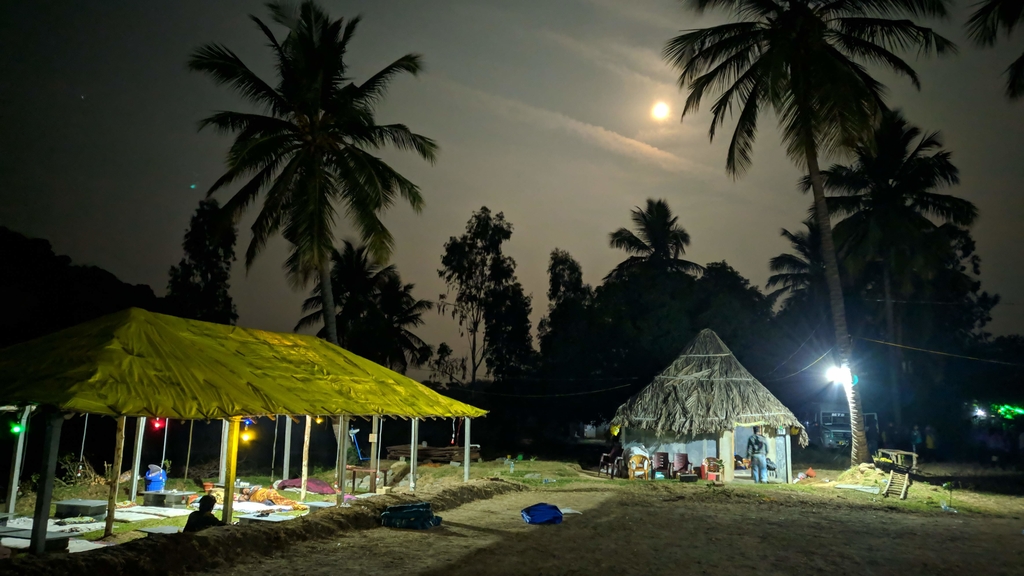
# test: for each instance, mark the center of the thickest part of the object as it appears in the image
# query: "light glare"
(840, 375)
(660, 111)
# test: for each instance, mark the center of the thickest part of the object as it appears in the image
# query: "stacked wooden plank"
(434, 453)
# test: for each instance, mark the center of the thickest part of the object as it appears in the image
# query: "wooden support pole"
(108, 530)
(465, 458)
(230, 468)
(16, 460)
(51, 443)
(305, 457)
(223, 451)
(140, 432)
(374, 463)
(188, 454)
(342, 458)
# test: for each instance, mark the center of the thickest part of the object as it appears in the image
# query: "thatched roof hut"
(705, 391)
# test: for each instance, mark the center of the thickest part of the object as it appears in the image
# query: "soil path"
(665, 532)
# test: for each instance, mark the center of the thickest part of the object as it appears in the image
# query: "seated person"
(739, 465)
(155, 478)
(268, 496)
(203, 518)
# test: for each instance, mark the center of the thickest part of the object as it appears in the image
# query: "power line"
(802, 369)
(800, 348)
(552, 395)
(935, 302)
(940, 353)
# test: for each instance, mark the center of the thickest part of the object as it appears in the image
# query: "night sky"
(541, 108)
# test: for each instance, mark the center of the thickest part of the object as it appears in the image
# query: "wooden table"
(373, 478)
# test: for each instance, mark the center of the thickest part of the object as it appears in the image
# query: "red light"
(157, 424)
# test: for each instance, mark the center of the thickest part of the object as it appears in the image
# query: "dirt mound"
(178, 553)
(863, 475)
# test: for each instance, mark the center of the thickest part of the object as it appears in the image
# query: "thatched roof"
(704, 391)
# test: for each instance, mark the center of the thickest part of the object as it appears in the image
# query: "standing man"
(757, 451)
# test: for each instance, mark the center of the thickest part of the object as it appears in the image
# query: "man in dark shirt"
(757, 451)
(203, 518)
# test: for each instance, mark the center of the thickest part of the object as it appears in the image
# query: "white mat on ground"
(160, 511)
(249, 507)
(132, 516)
(25, 523)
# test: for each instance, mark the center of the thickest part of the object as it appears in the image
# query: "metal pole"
(342, 458)
(287, 459)
(413, 453)
(373, 452)
(223, 453)
(16, 461)
(140, 432)
(51, 444)
(85, 430)
(273, 451)
(465, 458)
(305, 457)
(118, 460)
(163, 455)
(231, 456)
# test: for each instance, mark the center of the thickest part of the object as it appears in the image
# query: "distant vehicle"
(831, 428)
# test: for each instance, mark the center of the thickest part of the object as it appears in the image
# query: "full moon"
(660, 111)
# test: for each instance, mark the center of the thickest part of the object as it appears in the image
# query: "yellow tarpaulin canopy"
(139, 363)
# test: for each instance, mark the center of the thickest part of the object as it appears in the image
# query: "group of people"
(922, 441)
(998, 446)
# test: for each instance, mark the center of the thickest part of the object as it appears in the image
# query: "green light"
(15, 428)
(1008, 411)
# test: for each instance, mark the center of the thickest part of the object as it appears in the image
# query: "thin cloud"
(634, 11)
(596, 135)
(606, 56)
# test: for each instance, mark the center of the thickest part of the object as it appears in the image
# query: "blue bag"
(542, 514)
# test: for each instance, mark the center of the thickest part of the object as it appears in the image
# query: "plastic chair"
(611, 463)
(639, 466)
(661, 464)
(682, 464)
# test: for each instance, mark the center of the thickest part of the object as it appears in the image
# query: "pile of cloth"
(415, 516)
(256, 495)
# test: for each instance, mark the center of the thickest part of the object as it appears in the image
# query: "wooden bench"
(55, 541)
(160, 530)
(77, 507)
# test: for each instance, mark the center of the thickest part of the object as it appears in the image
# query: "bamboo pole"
(188, 455)
(305, 457)
(140, 431)
(230, 469)
(342, 458)
(273, 453)
(108, 530)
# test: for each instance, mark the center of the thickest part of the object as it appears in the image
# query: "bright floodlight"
(979, 413)
(660, 111)
(840, 375)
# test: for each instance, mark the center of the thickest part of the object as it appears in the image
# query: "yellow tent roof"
(138, 363)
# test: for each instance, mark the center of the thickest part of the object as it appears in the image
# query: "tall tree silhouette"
(312, 147)
(198, 286)
(657, 243)
(984, 25)
(892, 213)
(804, 59)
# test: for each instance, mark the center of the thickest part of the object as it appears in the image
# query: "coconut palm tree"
(311, 147)
(983, 27)
(375, 310)
(355, 280)
(893, 213)
(804, 59)
(658, 242)
(800, 276)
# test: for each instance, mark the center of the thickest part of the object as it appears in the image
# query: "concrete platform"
(165, 498)
(160, 530)
(256, 519)
(77, 507)
(318, 506)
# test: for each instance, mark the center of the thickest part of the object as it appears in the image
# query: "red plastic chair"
(682, 464)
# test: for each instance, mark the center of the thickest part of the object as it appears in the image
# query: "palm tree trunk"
(894, 354)
(859, 444)
(327, 303)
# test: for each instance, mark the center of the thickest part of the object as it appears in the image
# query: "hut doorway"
(777, 454)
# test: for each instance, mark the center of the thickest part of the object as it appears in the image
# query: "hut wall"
(697, 448)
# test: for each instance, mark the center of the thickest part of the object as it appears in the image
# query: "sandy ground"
(667, 530)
